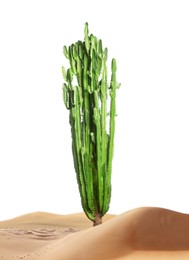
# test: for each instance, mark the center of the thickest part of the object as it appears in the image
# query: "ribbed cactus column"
(86, 92)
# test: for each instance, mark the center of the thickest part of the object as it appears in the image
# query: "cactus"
(86, 95)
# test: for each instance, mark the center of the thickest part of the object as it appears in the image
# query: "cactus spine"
(87, 101)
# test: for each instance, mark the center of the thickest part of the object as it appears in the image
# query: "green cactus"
(87, 101)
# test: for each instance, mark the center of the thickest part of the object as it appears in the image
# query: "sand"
(139, 234)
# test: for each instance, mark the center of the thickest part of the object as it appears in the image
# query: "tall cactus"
(92, 120)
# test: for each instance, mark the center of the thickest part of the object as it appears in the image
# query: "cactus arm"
(113, 85)
(64, 74)
(86, 33)
(88, 143)
(103, 126)
(66, 97)
(78, 153)
(72, 61)
(65, 51)
(104, 110)
(89, 149)
(77, 128)
(77, 165)
(98, 150)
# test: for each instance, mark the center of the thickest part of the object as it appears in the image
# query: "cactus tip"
(86, 27)
(114, 67)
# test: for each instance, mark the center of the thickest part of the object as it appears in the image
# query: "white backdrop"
(150, 40)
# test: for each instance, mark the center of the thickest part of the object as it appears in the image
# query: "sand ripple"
(38, 233)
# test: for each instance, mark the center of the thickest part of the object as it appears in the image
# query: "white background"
(150, 40)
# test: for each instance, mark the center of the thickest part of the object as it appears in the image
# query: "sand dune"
(139, 234)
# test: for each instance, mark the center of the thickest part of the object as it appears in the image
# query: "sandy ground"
(139, 234)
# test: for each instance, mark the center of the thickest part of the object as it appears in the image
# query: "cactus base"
(98, 220)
